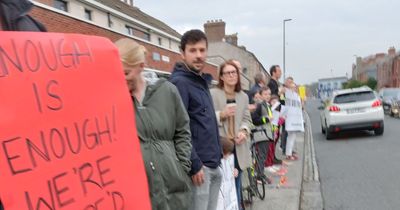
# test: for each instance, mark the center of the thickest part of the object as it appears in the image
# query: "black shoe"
(278, 162)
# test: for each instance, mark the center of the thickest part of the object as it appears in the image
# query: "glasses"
(231, 73)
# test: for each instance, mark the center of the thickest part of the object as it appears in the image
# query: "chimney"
(215, 30)
(232, 39)
(380, 55)
(392, 51)
(358, 61)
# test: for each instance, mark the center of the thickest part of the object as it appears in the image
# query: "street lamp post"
(284, 45)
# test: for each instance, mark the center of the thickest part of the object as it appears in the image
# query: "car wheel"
(322, 130)
(328, 134)
(379, 131)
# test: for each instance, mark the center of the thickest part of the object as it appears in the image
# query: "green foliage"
(372, 83)
(353, 84)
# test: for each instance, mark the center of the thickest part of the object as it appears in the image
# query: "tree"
(371, 83)
(353, 84)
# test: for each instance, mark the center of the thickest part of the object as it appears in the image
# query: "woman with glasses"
(233, 116)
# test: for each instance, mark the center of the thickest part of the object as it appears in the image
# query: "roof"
(264, 70)
(136, 13)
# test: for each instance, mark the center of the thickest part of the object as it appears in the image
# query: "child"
(276, 121)
(262, 118)
(227, 199)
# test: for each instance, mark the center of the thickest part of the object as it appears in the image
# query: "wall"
(59, 22)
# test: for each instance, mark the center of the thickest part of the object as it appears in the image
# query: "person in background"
(294, 120)
(233, 115)
(163, 129)
(259, 81)
(206, 153)
(283, 133)
(276, 123)
(14, 16)
(264, 136)
(276, 73)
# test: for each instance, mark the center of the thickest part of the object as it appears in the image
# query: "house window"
(156, 56)
(61, 5)
(146, 36)
(110, 23)
(159, 41)
(88, 14)
(130, 2)
(129, 30)
(165, 58)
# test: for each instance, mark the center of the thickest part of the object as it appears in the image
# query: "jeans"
(205, 196)
(238, 185)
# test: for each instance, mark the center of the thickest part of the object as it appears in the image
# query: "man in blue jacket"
(206, 151)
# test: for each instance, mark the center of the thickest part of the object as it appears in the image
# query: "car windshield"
(354, 97)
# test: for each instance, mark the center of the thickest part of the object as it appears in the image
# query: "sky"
(322, 40)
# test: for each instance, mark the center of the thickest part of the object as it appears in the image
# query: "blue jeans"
(238, 184)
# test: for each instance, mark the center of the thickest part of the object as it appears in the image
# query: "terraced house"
(115, 19)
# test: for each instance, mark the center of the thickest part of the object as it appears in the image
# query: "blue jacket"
(197, 99)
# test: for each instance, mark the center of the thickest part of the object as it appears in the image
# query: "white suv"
(352, 109)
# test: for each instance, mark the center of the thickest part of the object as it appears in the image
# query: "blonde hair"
(130, 52)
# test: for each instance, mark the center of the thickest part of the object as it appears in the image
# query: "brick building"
(223, 47)
(115, 19)
(384, 67)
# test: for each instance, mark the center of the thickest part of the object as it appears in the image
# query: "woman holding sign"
(163, 128)
(294, 122)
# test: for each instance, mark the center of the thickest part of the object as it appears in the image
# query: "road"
(358, 170)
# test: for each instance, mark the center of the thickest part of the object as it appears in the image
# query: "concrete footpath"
(299, 187)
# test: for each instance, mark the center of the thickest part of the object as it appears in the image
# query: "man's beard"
(194, 68)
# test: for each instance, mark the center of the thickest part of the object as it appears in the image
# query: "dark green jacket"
(164, 133)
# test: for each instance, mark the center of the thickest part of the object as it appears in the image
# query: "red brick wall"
(396, 72)
(60, 23)
(215, 31)
(47, 2)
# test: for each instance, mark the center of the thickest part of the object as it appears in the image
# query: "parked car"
(394, 108)
(352, 109)
(387, 95)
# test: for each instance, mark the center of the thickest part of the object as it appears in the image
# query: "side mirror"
(320, 108)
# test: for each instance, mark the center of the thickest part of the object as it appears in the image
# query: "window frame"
(88, 12)
(56, 3)
(130, 30)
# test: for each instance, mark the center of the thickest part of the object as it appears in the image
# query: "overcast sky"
(321, 40)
